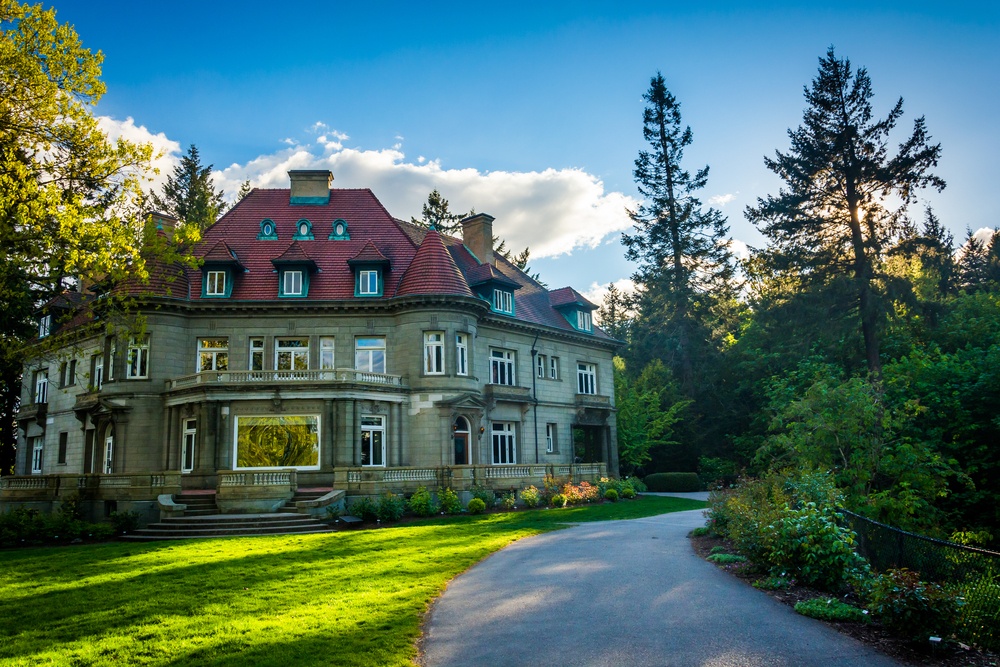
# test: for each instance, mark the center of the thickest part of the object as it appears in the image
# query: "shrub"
(673, 482)
(726, 559)
(772, 583)
(558, 500)
(332, 512)
(365, 508)
(713, 471)
(390, 507)
(611, 495)
(509, 500)
(477, 506)
(811, 544)
(703, 531)
(550, 487)
(125, 522)
(830, 609)
(628, 493)
(913, 608)
(422, 503)
(450, 504)
(718, 550)
(571, 494)
(486, 495)
(531, 497)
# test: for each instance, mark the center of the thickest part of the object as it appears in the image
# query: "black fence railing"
(973, 573)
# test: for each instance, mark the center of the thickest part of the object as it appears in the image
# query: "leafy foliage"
(830, 609)
(673, 482)
(914, 608)
(422, 503)
(450, 503)
(531, 497)
(476, 506)
(390, 507)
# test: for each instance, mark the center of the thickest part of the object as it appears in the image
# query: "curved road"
(621, 593)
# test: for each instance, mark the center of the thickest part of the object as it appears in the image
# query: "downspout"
(534, 391)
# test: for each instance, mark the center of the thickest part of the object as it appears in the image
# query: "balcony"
(36, 411)
(593, 401)
(271, 378)
(513, 394)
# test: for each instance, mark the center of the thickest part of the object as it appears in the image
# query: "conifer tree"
(845, 196)
(189, 194)
(436, 214)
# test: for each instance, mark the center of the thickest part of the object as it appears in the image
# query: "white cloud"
(739, 249)
(596, 292)
(551, 211)
(984, 235)
(722, 200)
(166, 151)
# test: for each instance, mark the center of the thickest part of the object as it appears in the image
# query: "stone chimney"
(310, 187)
(477, 234)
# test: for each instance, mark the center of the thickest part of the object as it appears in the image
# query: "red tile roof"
(433, 271)
(368, 255)
(220, 253)
(294, 254)
(567, 296)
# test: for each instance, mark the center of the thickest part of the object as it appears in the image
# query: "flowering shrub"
(550, 487)
(531, 497)
(450, 504)
(509, 500)
(810, 544)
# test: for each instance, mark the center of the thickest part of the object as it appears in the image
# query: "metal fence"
(973, 573)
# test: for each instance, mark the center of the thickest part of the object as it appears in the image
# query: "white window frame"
(461, 354)
(553, 368)
(503, 367)
(370, 425)
(367, 357)
(586, 378)
(433, 353)
(137, 367)
(550, 438)
(298, 355)
(368, 282)
(41, 394)
(584, 322)
(215, 283)
(327, 353)
(307, 419)
(98, 379)
(503, 301)
(216, 352)
(292, 282)
(111, 361)
(37, 454)
(504, 443)
(189, 440)
(44, 325)
(67, 373)
(256, 354)
(108, 466)
(540, 366)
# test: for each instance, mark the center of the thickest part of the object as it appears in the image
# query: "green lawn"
(349, 598)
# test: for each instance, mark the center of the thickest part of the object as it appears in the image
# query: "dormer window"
(339, 232)
(369, 283)
(291, 282)
(44, 325)
(268, 231)
(294, 268)
(584, 321)
(218, 271)
(503, 301)
(577, 310)
(370, 267)
(303, 230)
(215, 283)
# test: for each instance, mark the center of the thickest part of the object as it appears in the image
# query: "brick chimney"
(310, 187)
(477, 235)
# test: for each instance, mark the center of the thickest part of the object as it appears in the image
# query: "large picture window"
(372, 440)
(213, 354)
(502, 367)
(277, 442)
(369, 354)
(504, 446)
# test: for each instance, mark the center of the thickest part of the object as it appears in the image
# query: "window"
(326, 358)
(550, 438)
(368, 282)
(434, 353)
(504, 449)
(462, 354)
(553, 368)
(36, 454)
(44, 326)
(503, 301)
(97, 371)
(215, 284)
(268, 231)
(502, 367)
(586, 379)
(111, 361)
(291, 283)
(213, 354)
(109, 454)
(63, 441)
(540, 366)
(256, 354)
(303, 230)
(138, 358)
(339, 232)
(583, 321)
(291, 354)
(42, 386)
(67, 373)
(369, 354)
(372, 440)
(189, 436)
(277, 441)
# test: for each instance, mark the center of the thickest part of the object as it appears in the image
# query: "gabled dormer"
(574, 307)
(370, 267)
(294, 268)
(218, 272)
(495, 287)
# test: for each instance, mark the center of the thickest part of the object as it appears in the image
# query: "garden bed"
(950, 654)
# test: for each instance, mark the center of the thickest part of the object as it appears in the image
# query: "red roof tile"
(567, 296)
(294, 254)
(220, 253)
(433, 271)
(368, 255)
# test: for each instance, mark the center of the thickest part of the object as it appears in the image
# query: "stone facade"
(430, 382)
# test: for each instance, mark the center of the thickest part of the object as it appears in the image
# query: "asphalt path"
(622, 593)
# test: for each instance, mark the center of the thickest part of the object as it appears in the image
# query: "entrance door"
(588, 445)
(461, 439)
(187, 446)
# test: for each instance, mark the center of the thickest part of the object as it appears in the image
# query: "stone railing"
(255, 490)
(133, 486)
(32, 483)
(333, 375)
(262, 478)
(509, 472)
(374, 480)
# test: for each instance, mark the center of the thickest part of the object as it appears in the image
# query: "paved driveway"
(621, 593)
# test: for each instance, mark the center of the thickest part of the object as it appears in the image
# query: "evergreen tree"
(244, 190)
(684, 260)
(834, 217)
(436, 214)
(614, 314)
(979, 264)
(189, 194)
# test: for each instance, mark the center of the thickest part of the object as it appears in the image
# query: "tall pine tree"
(189, 194)
(845, 195)
(682, 250)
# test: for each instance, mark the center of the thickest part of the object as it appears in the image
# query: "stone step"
(140, 536)
(223, 525)
(232, 519)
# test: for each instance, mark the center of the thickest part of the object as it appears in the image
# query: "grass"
(348, 598)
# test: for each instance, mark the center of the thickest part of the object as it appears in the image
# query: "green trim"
(298, 235)
(509, 293)
(227, 292)
(281, 282)
(379, 281)
(309, 201)
(334, 236)
(273, 236)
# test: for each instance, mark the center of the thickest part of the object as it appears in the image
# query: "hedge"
(673, 482)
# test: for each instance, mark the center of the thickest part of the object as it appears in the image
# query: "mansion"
(320, 343)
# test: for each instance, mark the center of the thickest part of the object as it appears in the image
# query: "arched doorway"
(460, 432)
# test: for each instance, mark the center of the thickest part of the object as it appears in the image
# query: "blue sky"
(532, 111)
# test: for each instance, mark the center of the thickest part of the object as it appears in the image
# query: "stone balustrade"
(331, 375)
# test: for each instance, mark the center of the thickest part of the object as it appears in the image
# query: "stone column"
(326, 448)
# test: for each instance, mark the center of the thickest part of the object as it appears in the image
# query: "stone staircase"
(199, 503)
(302, 495)
(228, 525)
